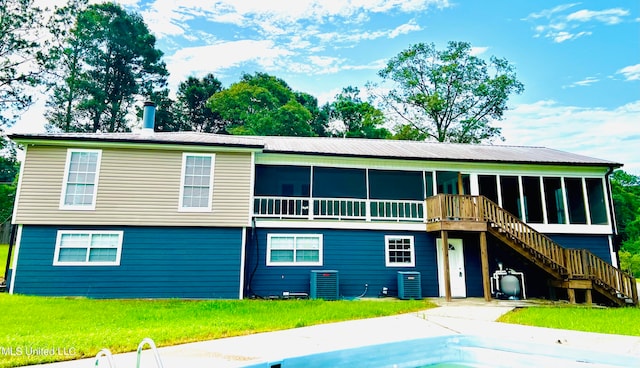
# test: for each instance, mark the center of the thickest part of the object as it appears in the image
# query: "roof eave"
(443, 159)
(26, 138)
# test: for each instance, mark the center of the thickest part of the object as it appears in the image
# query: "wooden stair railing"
(562, 263)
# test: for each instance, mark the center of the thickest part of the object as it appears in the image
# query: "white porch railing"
(281, 207)
(397, 210)
(338, 209)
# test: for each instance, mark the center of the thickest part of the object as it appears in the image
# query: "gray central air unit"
(409, 285)
(324, 284)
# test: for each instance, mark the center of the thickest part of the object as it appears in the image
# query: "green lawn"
(81, 327)
(620, 321)
(4, 252)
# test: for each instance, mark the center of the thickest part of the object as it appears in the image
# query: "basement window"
(294, 250)
(399, 251)
(88, 248)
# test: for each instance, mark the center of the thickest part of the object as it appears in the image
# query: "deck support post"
(484, 259)
(587, 297)
(460, 186)
(445, 262)
(571, 293)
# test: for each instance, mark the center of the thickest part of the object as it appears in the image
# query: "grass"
(619, 321)
(76, 328)
(4, 252)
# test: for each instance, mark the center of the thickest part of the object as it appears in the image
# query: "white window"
(80, 179)
(197, 182)
(399, 251)
(294, 250)
(88, 248)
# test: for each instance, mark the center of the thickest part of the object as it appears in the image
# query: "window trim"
(294, 263)
(65, 181)
(91, 233)
(387, 251)
(209, 207)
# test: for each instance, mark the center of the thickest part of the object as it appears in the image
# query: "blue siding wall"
(155, 263)
(596, 244)
(472, 263)
(359, 257)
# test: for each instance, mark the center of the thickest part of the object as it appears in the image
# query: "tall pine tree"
(108, 62)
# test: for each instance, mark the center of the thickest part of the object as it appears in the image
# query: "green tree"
(9, 167)
(626, 198)
(449, 95)
(261, 104)
(192, 99)
(65, 69)
(109, 62)
(20, 56)
(356, 118)
(319, 116)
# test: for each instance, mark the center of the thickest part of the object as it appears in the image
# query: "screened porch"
(371, 194)
(339, 193)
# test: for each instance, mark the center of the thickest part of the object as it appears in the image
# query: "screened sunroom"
(339, 193)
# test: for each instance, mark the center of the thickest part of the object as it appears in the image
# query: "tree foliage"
(261, 104)
(351, 117)
(626, 198)
(9, 167)
(20, 56)
(448, 95)
(107, 61)
(192, 108)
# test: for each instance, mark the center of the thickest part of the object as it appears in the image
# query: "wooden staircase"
(569, 269)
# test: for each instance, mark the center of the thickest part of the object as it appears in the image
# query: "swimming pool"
(456, 351)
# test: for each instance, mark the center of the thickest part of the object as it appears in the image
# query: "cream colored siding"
(136, 187)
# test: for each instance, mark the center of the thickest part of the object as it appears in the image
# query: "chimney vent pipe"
(148, 117)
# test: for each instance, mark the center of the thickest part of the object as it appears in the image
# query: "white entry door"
(456, 268)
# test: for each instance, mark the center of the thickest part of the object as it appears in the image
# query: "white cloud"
(404, 29)
(585, 82)
(559, 37)
(608, 16)
(477, 51)
(356, 35)
(611, 134)
(631, 72)
(218, 57)
(559, 25)
(280, 14)
(550, 12)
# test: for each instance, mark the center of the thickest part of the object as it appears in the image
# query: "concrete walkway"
(468, 317)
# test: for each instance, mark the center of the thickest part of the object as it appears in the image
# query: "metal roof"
(191, 138)
(427, 151)
(349, 147)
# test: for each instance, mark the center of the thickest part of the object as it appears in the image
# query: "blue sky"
(579, 62)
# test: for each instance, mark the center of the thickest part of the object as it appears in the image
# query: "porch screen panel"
(595, 195)
(575, 199)
(282, 180)
(331, 182)
(428, 176)
(532, 199)
(488, 186)
(392, 184)
(554, 200)
(510, 188)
